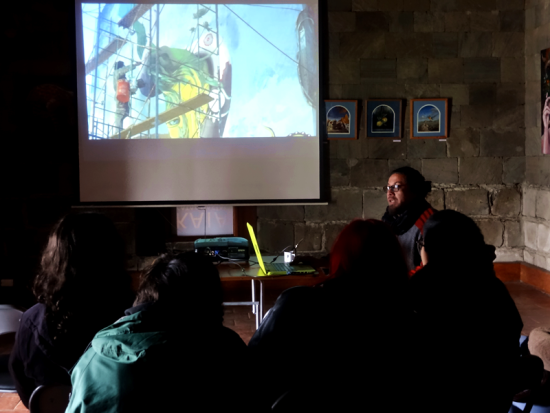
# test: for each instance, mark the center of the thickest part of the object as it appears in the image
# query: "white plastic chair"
(9, 318)
(9, 324)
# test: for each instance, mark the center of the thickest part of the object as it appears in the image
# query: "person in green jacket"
(170, 352)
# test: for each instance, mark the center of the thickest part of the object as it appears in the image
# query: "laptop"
(277, 268)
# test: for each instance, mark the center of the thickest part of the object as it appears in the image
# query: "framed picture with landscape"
(341, 119)
(383, 118)
(429, 118)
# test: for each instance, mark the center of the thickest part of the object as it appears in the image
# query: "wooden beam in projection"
(164, 117)
(134, 14)
(110, 50)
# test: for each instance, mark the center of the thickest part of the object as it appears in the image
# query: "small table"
(241, 271)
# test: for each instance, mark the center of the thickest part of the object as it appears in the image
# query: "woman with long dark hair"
(82, 287)
(341, 346)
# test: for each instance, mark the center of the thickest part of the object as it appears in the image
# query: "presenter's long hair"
(369, 251)
(82, 280)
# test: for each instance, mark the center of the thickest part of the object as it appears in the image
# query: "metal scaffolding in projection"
(148, 109)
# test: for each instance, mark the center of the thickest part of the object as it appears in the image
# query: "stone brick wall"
(536, 198)
(482, 54)
(536, 225)
(471, 51)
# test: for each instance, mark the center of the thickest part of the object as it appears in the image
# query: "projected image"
(201, 70)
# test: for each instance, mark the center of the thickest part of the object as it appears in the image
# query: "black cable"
(284, 249)
(240, 266)
(265, 38)
(228, 259)
(231, 261)
(167, 220)
(279, 254)
(236, 259)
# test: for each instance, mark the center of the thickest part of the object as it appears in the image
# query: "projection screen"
(194, 103)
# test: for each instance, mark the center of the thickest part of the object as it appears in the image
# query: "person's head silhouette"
(453, 238)
(368, 247)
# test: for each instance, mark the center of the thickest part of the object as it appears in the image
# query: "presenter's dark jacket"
(152, 360)
(341, 346)
(470, 329)
(36, 360)
(409, 228)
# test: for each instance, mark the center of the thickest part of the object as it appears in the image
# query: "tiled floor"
(533, 305)
(241, 320)
(10, 402)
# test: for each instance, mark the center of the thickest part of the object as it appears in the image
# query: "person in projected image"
(81, 288)
(170, 352)
(407, 211)
(123, 108)
(470, 325)
(344, 345)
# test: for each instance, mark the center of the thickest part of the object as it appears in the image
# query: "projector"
(235, 248)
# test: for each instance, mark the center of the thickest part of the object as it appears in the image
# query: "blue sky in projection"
(266, 91)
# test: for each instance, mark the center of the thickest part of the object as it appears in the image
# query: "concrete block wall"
(495, 208)
(536, 198)
(536, 226)
(471, 52)
(482, 54)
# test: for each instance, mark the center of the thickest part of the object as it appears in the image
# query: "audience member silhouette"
(170, 352)
(82, 287)
(469, 322)
(342, 345)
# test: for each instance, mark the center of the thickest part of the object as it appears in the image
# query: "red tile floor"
(10, 402)
(533, 305)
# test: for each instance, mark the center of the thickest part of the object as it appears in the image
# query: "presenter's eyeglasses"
(394, 188)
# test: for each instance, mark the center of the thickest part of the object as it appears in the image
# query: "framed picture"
(341, 119)
(383, 118)
(429, 118)
(545, 100)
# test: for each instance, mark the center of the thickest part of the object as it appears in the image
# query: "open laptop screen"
(256, 248)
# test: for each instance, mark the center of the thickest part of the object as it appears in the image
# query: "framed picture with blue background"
(429, 118)
(341, 119)
(384, 118)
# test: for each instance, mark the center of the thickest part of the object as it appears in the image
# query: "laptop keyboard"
(278, 267)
